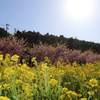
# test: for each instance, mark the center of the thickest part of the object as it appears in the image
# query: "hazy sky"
(70, 18)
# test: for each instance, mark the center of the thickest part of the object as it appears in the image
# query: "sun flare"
(79, 9)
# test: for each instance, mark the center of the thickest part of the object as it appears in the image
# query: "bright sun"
(79, 9)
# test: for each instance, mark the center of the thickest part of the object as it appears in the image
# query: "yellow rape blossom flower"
(14, 57)
(24, 61)
(7, 56)
(53, 82)
(74, 64)
(7, 59)
(62, 96)
(93, 82)
(18, 81)
(72, 93)
(24, 67)
(6, 86)
(8, 71)
(91, 93)
(67, 83)
(79, 95)
(1, 57)
(47, 60)
(51, 75)
(83, 99)
(4, 98)
(64, 90)
(33, 59)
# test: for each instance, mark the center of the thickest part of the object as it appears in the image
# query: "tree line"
(32, 37)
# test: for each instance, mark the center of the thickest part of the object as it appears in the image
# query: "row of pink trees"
(13, 45)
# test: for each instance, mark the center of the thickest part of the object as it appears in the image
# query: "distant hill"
(71, 43)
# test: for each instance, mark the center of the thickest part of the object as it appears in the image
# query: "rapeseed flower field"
(45, 81)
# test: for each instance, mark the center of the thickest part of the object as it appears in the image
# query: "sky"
(71, 18)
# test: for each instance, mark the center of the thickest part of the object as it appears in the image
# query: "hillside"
(71, 43)
(33, 37)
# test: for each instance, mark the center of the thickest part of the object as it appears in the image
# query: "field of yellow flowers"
(48, 82)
